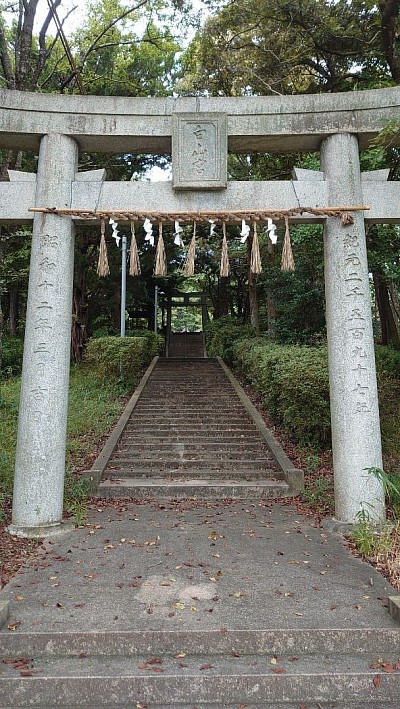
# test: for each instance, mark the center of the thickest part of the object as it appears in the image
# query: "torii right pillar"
(356, 439)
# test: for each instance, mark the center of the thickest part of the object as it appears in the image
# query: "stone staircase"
(287, 669)
(191, 435)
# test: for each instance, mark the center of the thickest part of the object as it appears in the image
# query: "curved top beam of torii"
(144, 125)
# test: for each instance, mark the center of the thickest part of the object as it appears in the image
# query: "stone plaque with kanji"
(199, 151)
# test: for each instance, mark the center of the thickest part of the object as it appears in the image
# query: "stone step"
(248, 705)
(382, 642)
(178, 464)
(159, 446)
(228, 680)
(214, 437)
(177, 409)
(190, 389)
(204, 425)
(141, 488)
(174, 454)
(200, 414)
(180, 474)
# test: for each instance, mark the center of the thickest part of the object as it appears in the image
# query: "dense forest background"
(211, 48)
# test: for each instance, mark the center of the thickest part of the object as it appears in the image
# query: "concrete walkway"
(235, 565)
(210, 579)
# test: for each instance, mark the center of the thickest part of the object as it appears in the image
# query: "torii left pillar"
(42, 429)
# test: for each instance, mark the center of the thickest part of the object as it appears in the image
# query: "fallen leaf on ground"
(14, 625)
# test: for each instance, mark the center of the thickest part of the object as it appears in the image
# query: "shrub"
(123, 358)
(222, 333)
(293, 383)
(11, 355)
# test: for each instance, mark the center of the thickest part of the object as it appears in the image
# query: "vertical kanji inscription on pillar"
(199, 151)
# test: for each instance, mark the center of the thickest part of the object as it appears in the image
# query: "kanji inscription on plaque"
(199, 151)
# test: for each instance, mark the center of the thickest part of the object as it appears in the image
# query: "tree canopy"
(238, 48)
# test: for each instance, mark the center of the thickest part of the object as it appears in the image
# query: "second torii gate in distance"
(199, 131)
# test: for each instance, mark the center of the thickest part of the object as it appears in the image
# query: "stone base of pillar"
(51, 530)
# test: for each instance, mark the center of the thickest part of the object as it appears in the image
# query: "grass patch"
(372, 541)
(94, 406)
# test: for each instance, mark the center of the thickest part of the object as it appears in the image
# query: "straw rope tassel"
(188, 269)
(160, 268)
(287, 254)
(103, 268)
(255, 259)
(225, 267)
(134, 263)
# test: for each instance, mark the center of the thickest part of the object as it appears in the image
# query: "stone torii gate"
(198, 131)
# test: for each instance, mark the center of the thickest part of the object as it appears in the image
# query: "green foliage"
(131, 56)
(318, 494)
(318, 45)
(221, 335)
(9, 399)
(123, 358)
(372, 541)
(11, 355)
(391, 484)
(388, 361)
(76, 494)
(95, 403)
(293, 384)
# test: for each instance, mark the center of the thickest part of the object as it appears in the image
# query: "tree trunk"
(79, 334)
(223, 299)
(13, 315)
(390, 331)
(389, 18)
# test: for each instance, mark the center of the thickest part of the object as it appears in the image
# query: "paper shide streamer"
(115, 232)
(271, 231)
(244, 234)
(177, 235)
(148, 228)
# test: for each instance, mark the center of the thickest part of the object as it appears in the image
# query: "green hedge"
(221, 335)
(123, 358)
(293, 384)
(293, 380)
